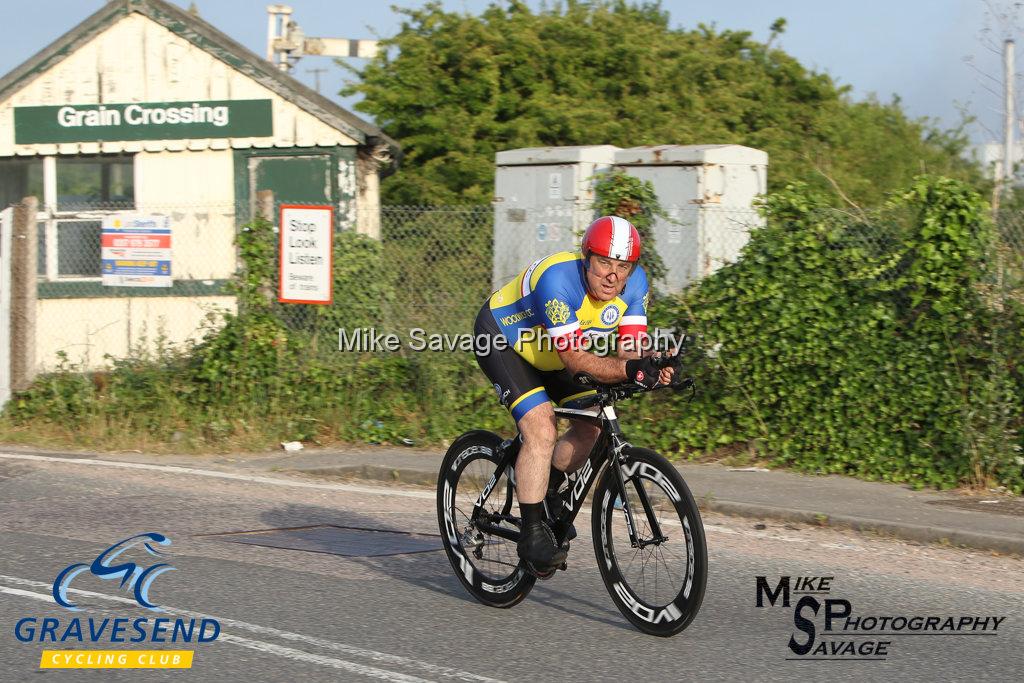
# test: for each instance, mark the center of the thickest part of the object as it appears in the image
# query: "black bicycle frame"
(610, 447)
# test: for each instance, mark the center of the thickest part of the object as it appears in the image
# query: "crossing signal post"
(287, 43)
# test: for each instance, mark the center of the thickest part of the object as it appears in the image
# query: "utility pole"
(1008, 116)
(316, 76)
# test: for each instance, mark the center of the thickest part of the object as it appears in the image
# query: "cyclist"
(548, 316)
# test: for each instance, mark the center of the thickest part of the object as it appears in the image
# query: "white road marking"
(25, 594)
(299, 655)
(174, 469)
(289, 653)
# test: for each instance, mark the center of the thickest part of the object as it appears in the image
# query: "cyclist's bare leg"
(534, 463)
(573, 448)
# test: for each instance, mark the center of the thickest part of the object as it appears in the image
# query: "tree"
(454, 89)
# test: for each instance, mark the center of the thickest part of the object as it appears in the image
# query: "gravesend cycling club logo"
(129, 562)
(829, 629)
(136, 577)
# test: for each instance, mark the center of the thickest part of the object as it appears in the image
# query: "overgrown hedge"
(882, 346)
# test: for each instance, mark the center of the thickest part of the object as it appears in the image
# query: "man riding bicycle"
(547, 314)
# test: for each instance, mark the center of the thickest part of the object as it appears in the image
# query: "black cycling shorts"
(520, 386)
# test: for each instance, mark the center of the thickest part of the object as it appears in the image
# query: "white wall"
(86, 329)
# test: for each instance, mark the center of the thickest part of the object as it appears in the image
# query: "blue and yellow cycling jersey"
(548, 301)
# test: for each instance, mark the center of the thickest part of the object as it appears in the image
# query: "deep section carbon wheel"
(658, 584)
(485, 562)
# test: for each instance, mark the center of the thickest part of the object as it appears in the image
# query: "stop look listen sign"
(306, 256)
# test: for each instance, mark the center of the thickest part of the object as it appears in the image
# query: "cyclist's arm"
(627, 351)
(604, 369)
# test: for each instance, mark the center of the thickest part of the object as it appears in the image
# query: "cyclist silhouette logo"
(134, 576)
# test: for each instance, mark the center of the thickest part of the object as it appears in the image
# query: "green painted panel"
(318, 171)
(293, 179)
(143, 121)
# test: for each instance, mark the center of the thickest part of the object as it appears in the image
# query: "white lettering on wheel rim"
(654, 474)
(464, 564)
(670, 612)
(453, 536)
(472, 450)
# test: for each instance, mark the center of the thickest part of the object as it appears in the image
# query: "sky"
(914, 49)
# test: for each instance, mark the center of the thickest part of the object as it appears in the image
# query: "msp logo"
(136, 577)
(558, 311)
(829, 629)
(610, 314)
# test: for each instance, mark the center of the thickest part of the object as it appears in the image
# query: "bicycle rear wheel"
(487, 564)
(658, 586)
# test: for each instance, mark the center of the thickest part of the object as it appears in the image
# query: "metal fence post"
(24, 248)
(265, 208)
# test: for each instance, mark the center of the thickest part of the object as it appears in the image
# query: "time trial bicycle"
(647, 530)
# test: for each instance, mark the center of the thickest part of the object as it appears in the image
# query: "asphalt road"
(312, 615)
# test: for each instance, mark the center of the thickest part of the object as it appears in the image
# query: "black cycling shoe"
(537, 547)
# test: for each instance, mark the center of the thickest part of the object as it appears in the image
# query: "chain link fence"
(107, 290)
(426, 267)
(1009, 255)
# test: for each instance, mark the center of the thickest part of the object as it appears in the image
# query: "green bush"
(864, 346)
(618, 194)
(65, 396)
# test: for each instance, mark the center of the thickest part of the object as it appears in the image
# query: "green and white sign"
(143, 121)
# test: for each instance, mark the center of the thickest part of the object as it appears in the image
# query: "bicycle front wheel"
(658, 583)
(485, 562)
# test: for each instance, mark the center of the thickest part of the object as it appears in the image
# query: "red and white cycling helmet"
(614, 237)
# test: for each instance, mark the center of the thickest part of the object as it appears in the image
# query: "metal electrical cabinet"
(708, 193)
(543, 201)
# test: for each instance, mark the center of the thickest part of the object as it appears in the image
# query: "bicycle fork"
(625, 473)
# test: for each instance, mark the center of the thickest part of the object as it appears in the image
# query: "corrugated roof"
(210, 39)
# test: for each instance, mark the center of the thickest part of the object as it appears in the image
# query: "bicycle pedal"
(542, 575)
